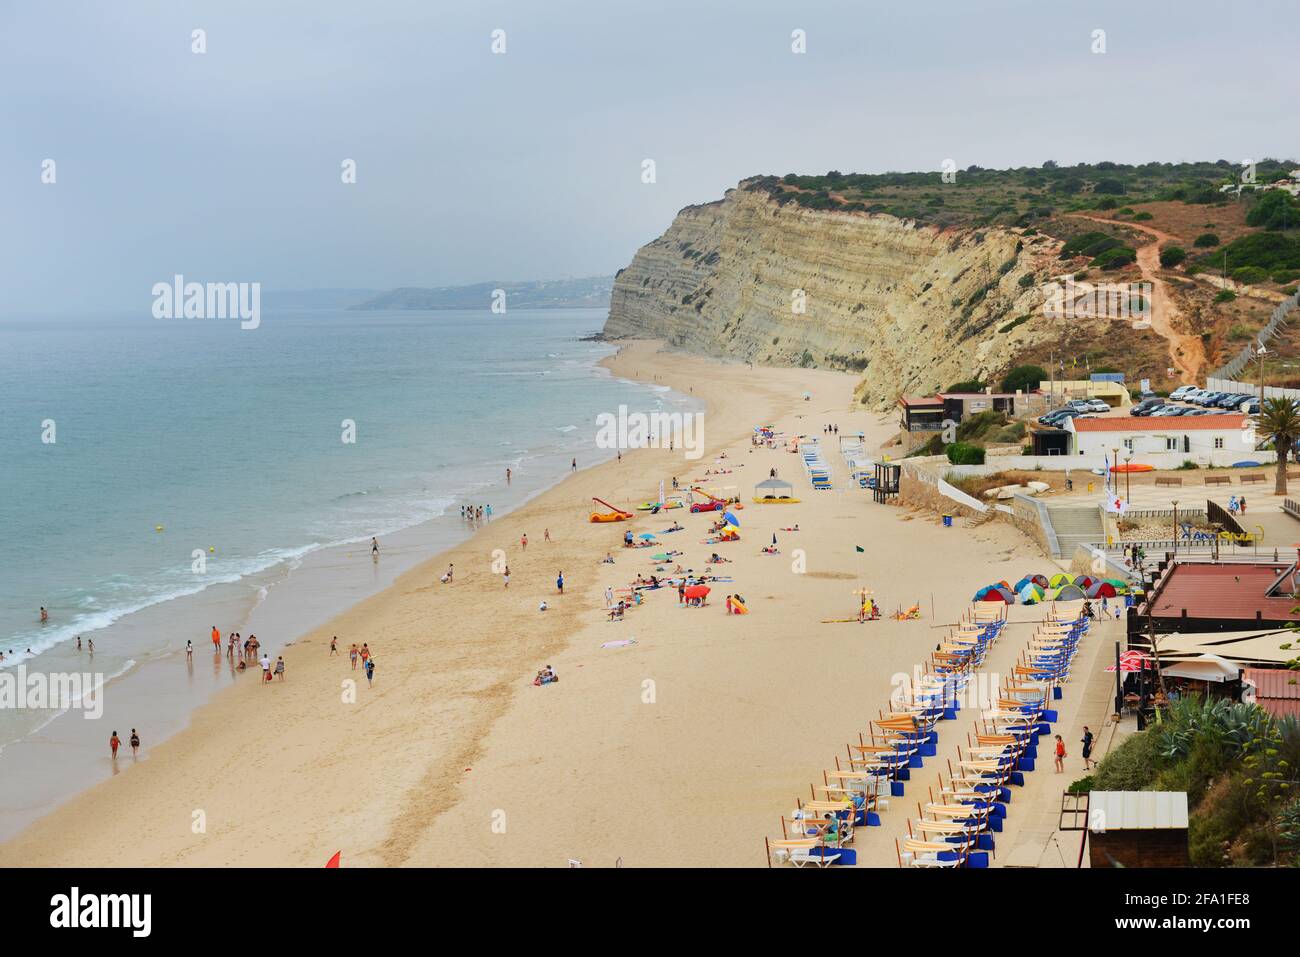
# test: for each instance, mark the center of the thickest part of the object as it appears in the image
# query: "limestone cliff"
(914, 308)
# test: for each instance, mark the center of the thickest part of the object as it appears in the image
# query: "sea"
(160, 477)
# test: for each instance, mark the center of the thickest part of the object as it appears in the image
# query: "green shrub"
(1205, 239)
(1171, 256)
(1130, 767)
(1116, 258)
(1023, 377)
(1188, 466)
(970, 385)
(964, 453)
(1225, 295)
(1274, 210)
(1013, 323)
(1249, 275)
(1026, 280)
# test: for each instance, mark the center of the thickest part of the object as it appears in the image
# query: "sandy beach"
(681, 749)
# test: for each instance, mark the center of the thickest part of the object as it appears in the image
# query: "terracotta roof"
(1162, 425)
(910, 401)
(1231, 590)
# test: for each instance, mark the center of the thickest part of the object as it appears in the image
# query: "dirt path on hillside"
(1186, 352)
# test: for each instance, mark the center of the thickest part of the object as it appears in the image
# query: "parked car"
(1182, 391)
(1146, 406)
(1251, 407)
(1097, 405)
(1167, 411)
(1077, 405)
(1209, 398)
(1049, 418)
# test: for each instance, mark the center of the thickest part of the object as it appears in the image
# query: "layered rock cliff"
(913, 308)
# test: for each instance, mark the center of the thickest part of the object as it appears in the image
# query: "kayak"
(1133, 467)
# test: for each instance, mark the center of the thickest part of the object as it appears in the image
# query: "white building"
(1205, 439)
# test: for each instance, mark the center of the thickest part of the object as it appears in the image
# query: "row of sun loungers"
(860, 465)
(956, 827)
(875, 769)
(819, 473)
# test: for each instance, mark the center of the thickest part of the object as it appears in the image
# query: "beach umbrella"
(1130, 661)
(1031, 594)
(1059, 579)
(1070, 593)
(731, 518)
(697, 591)
(1101, 590)
(646, 536)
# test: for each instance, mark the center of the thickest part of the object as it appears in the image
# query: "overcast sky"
(225, 166)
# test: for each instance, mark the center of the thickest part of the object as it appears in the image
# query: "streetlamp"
(1175, 527)
(1128, 480)
(1260, 352)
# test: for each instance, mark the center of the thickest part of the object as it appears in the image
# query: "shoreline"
(454, 737)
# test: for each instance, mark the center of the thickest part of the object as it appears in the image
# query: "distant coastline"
(587, 292)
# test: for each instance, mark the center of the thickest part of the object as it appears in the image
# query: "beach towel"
(621, 643)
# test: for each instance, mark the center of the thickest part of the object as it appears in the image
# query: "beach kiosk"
(1138, 829)
(774, 491)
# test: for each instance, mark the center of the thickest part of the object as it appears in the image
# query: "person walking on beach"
(546, 534)
(1241, 504)
(334, 646)
(559, 582)
(573, 466)
(370, 672)
(113, 744)
(1087, 749)
(230, 648)
(352, 653)
(1060, 754)
(681, 592)
(609, 596)
(506, 576)
(523, 542)
(216, 640)
(135, 743)
(374, 548)
(78, 646)
(487, 511)
(507, 476)
(279, 667)
(189, 650)
(365, 653)
(266, 668)
(90, 645)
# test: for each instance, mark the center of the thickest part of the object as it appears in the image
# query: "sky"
(471, 166)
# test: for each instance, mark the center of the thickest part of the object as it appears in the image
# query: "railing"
(1232, 368)
(1216, 514)
(1291, 508)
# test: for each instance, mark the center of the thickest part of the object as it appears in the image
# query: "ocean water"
(181, 437)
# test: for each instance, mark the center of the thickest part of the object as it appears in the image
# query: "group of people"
(1237, 505)
(1060, 755)
(114, 742)
(363, 654)
(475, 513)
(831, 430)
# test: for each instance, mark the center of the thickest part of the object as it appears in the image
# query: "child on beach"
(334, 646)
(114, 743)
(1060, 755)
(523, 542)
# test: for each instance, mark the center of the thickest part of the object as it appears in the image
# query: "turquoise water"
(230, 441)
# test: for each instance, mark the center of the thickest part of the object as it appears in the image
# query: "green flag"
(858, 548)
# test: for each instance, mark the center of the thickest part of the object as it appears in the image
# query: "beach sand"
(681, 749)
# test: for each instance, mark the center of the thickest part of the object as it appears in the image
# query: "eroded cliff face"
(913, 309)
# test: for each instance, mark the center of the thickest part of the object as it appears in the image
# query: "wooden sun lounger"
(799, 852)
(925, 853)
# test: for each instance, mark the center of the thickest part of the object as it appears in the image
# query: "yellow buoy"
(211, 549)
(157, 528)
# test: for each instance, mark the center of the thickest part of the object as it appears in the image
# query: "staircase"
(1075, 525)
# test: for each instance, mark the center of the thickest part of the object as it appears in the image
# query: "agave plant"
(1233, 728)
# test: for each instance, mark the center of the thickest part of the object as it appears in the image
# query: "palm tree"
(1280, 423)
